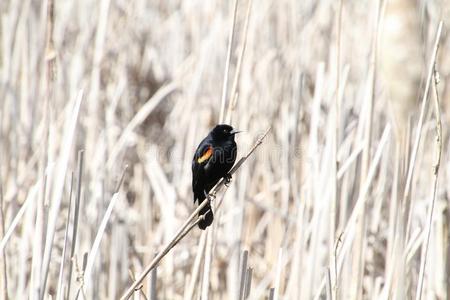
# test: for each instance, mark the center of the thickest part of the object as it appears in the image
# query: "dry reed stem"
(227, 64)
(100, 232)
(4, 274)
(57, 193)
(17, 218)
(76, 215)
(358, 263)
(336, 141)
(242, 274)
(153, 284)
(277, 288)
(40, 280)
(271, 294)
(437, 112)
(60, 289)
(196, 266)
(415, 149)
(234, 89)
(248, 283)
(348, 233)
(207, 262)
(336, 164)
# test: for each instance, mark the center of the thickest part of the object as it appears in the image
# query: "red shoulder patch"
(205, 156)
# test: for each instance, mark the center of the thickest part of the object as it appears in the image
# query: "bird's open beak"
(234, 131)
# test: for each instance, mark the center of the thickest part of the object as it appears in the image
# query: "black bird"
(213, 159)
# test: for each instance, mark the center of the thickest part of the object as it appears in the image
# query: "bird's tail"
(208, 217)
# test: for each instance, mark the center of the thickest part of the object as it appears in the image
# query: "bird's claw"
(227, 179)
(210, 197)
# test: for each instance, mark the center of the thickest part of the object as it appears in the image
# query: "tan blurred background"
(321, 206)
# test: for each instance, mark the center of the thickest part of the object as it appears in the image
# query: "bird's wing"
(201, 157)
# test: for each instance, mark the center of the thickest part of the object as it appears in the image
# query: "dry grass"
(347, 198)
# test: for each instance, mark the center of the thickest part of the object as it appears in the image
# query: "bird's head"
(223, 132)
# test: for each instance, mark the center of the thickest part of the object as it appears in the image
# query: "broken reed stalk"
(188, 225)
(248, 282)
(242, 274)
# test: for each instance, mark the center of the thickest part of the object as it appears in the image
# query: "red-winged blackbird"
(213, 159)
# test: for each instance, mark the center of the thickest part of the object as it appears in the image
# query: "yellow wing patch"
(208, 153)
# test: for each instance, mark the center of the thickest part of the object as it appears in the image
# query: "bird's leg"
(210, 197)
(227, 179)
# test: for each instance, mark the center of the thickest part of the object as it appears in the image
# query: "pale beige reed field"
(102, 104)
